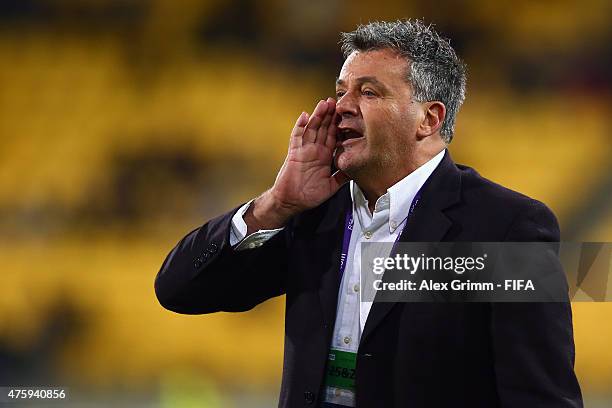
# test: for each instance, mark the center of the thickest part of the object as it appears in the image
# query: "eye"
(369, 93)
(339, 94)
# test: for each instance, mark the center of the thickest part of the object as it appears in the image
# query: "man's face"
(378, 117)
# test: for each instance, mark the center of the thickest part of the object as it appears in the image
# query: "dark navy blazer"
(413, 355)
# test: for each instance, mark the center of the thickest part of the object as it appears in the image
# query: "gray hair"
(435, 71)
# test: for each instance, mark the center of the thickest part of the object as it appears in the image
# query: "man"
(398, 92)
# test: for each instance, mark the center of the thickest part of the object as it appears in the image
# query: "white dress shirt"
(384, 225)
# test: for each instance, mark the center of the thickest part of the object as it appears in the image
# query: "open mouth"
(346, 136)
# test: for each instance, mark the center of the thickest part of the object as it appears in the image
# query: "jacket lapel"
(331, 231)
(428, 223)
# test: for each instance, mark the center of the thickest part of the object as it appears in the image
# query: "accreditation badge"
(340, 377)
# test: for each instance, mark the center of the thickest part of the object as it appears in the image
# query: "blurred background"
(125, 124)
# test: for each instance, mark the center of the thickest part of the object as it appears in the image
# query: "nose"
(347, 105)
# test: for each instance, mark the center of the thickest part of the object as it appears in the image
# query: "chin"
(348, 164)
(342, 161)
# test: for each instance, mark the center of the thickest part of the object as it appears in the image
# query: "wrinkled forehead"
(385, 64)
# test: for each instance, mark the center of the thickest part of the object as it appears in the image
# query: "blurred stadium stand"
(126, 124)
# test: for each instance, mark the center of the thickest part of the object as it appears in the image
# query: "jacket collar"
(428, 223)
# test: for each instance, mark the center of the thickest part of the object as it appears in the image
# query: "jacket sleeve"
(204, 274)
(533, 343)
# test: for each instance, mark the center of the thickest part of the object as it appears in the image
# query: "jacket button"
(213, 248)
(309, 397)
(197, 263)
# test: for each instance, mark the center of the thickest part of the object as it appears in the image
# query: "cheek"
(379, 117)
(405, 121)
(384, 122)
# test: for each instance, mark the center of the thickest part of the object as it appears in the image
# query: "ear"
(434, 114)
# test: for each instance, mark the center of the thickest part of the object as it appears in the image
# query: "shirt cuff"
(239, 229)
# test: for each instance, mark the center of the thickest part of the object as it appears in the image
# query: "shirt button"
(347, 340)
(393, 224)
(356, 287)
(368, 234)
(251, 245)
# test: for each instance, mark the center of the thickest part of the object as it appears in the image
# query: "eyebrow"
(362, 80)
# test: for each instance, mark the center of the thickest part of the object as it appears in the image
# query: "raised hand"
(305, 180)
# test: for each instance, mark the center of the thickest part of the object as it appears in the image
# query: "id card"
(340, 371)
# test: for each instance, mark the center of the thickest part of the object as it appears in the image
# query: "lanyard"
(348, 231)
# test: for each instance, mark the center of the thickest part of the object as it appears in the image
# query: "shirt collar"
(399, 196)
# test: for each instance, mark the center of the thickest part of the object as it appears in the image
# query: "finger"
(302, 120)
(327, 120)
(332, 131)
(338, 179)
(310, 133)
(295, 140)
